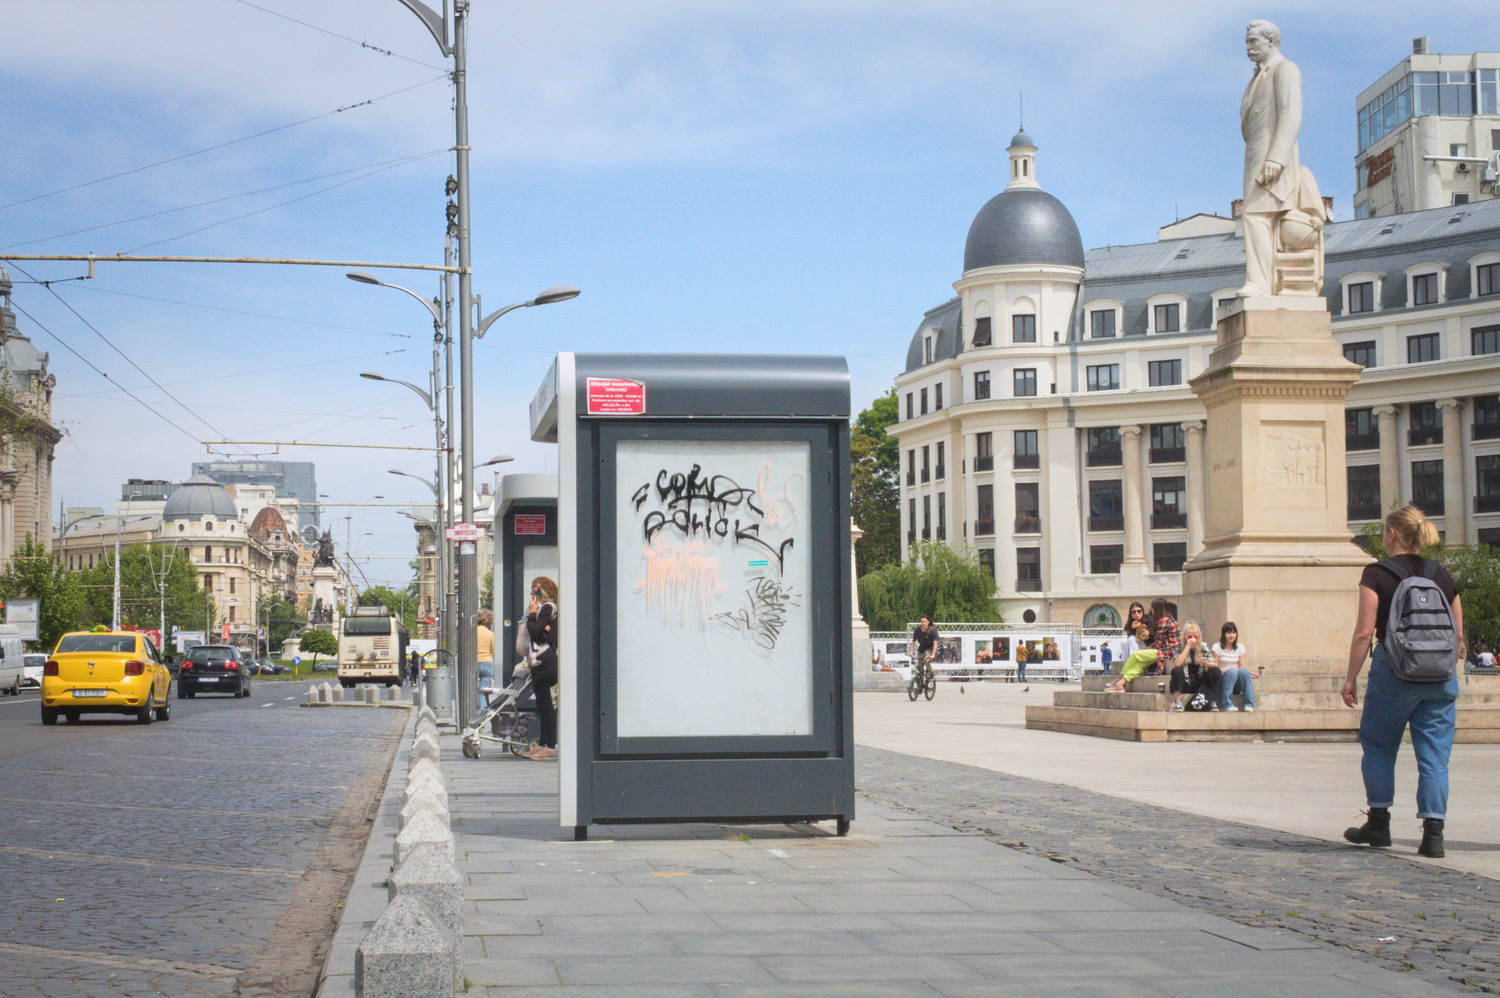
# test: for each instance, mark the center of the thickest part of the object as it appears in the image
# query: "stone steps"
(1475, 724)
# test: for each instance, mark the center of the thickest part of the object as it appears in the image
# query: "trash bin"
(438, 687)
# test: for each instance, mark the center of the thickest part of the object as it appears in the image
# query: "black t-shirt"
(1384, 583)
(925, 639)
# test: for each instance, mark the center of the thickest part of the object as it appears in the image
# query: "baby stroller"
(503, 721)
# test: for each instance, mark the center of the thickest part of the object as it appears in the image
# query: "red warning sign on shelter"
(616, 397)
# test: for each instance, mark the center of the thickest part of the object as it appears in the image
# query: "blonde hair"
(547, 586)
(485, 618)
(1411, 529)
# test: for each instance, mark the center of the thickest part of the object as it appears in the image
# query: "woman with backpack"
(1411, 584)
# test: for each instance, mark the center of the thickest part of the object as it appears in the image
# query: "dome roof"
(1022, 139)
(199, 496)
(267, 520)
(1023, 226)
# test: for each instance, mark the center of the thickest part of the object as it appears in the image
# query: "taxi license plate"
(91, 693)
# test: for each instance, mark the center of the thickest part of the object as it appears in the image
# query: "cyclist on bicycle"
(925, 635)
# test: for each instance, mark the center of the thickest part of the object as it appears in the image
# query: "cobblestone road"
(1401, 914)
(204, 856)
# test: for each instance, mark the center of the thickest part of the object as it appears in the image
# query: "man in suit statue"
(1270, 117)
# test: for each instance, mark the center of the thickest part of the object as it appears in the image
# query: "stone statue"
(325, 550)
(1283, 211)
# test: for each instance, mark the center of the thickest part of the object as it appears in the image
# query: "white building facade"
(1046, 420)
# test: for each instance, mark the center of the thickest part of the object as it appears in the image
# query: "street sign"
(530, 524)
(296, 659)
(615, 397)
(225, 630)
(464, 532)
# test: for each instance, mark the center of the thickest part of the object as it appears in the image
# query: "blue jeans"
(1237, 681)
(486, 678)
(1391, 705)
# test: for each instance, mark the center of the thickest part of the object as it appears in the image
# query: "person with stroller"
(542, 630)
(1194, 672)
(486, 654)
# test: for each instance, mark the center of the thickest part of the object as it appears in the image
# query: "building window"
(1102, 446)
(1486, 417)
(981, 385)
(1106, 505)
(1485, 339)
(1420, 349)
(1103, 377)
(1028, 508)
(1168, 503)
(923, 397)
(231, 584)
(927, 349)
(208, 555)
(937, 396)
(1426, 424)
(942, 520)
(1025, 382)
(1167, 445)
(1024, 446)
(1023, 329)
(939, 471)
(926, 465)
(927, 518)
(911, 467)
(984, 511)
(1168, 557)
(1029, 570)
(911, 521)
(1167, 318)
(987, 561)
(208, 580)
(982, 333)
(1424, 289)
(1362, 353)
(1105, 559)
(1161, 373)
(1487, 483)
(1361, 430)
(909, 411)
(1427, 486)
(1362, 297)
(1364, 492)
(1487, 279)
(984, 454)
(1102, 324)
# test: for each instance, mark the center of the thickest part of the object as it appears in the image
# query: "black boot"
(1376, 831)
(1432, 838)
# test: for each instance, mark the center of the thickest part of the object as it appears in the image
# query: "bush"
(938, 581)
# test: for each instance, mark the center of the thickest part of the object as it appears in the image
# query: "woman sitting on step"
(1195, 672)
(1162, 644)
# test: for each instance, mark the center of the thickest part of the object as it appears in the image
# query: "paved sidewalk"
(955, 880)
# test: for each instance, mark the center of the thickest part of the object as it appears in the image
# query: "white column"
(1135, 538)
(1455, 490)
(1390, 458)
(1196, 486)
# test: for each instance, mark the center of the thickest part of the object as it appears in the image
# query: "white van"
(12, 660)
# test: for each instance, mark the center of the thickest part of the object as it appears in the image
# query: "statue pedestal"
(325, 588)
(1278, 558)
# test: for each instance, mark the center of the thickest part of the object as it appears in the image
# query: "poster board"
(713, 570)
(23, 612)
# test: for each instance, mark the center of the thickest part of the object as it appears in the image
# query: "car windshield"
(96, 642)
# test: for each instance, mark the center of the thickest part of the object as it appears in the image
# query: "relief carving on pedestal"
(1294, 463)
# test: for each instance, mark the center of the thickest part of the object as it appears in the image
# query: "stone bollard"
(425, 746)
(313, 695)
(367, 694)
(425, 828)
(419, 697)
(428, 713)
(408, 953)
(429, 875)
(338, 693)
(426, 800)
(425, 783)
(392, 694)
(420, 766)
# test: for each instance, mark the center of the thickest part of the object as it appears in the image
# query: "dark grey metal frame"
(512, 585)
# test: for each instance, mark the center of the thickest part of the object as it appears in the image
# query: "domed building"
(1046, 420)
(27, 436)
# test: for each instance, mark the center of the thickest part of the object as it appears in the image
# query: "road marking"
(180, 968)
(93, 858)
(291, 698)
(268, 705)
(15, 701)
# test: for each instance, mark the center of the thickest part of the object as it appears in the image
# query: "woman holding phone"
(541, 627)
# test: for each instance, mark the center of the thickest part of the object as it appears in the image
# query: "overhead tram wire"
(415, 158)
(221, 145)
(335, 34)
(274, 207)
(241, 374)
(258, 315)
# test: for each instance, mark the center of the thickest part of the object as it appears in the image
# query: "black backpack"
(1421, 643)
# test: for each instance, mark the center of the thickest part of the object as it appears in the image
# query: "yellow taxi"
(109, 672)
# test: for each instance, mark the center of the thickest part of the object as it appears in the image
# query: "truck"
(372, 647)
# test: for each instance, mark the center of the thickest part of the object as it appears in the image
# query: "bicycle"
(923, 683)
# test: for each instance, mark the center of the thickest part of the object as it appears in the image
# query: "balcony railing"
(1029, 585)
(984, 528)
(1168, 455)
(939, 472)
(1027, 461)
(985, 462)
(1431, 506)
(1106, 523)
(1168, 521)
(1028, 524)
(1424, 437)
(1486, 431)
(926, 533)
(911, 537)
(926, 474)
(1364, 510)
(1103, 457)
(1487, 504)
(911, 478)
(1362, 441)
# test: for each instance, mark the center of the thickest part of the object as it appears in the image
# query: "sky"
(717, 176)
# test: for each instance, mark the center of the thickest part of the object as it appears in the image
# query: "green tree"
(402, 604)
(939, 581)
(34, 573)
(317, 643)
(280, 618)
(147, 573)
(874, 485)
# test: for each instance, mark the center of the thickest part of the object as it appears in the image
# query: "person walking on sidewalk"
(485, 650)
(1393, 704)
(925, 635)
